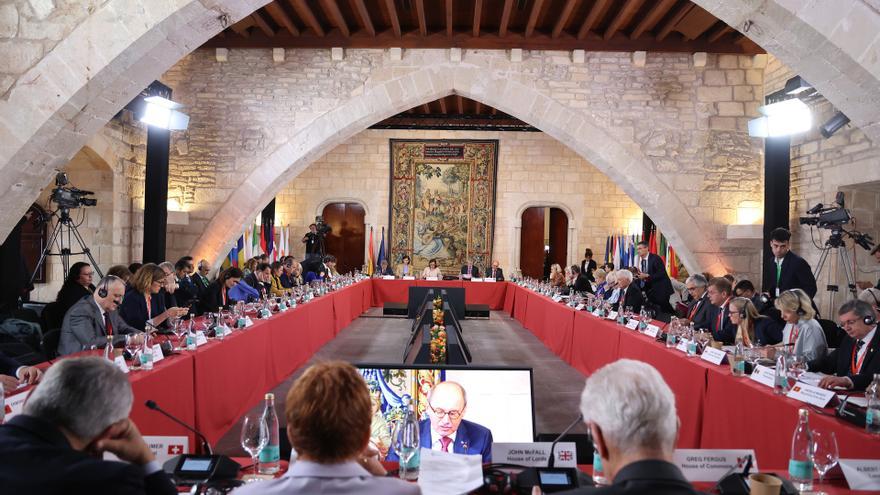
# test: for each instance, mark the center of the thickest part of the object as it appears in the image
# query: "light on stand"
(161, 112)
(782, 119)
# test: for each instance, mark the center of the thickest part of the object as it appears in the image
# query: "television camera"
(68, 197)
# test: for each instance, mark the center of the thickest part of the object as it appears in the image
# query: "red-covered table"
(171, 385)
(489, 293)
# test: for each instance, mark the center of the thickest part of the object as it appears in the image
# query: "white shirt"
(437, 445)
(867, 343)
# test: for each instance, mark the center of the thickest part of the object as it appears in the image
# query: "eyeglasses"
(453, 415)
(691, 289)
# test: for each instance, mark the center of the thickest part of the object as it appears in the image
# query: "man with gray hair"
(630, 412)
(699, 310)
(88, 322)
(78, 412)
(857, 359)
(630, 296)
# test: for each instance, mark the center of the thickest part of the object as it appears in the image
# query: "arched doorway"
(543, 227)
(346, 238)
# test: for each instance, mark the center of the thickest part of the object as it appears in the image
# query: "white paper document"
(447, 474)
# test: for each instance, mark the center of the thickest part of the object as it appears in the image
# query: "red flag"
(372, 261)
(673, 261)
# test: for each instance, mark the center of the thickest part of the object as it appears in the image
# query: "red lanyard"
(721, 315)
(793, 336)
(223, 294)
(854, 366)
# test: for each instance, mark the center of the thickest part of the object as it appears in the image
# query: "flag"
(263, 240)
(240, 251)
(616, 259)
(282, 247)
(255, 240)
(270, 241)
(662, 248)
(673, 269)
(372, 260)
(607, 249)
(381, 247)
(233, 255)
(652, 242)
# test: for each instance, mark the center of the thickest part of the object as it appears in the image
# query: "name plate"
(476, 280)
(407, 278)
(811, 395)
(157, 353)
(489, 280)
(432, 279)
(535, 454)
(119, 361)
(579, 307)
(388, 277)
(682, 346)
(632, 324)
(557, 298)
(764, 375)
(163, 447)
(860, 474)
(596, 314)
(711, 465)
(612, 315)
(201, 339)
(713, 355)
(652, 330)
(248, 322)
(13, 405)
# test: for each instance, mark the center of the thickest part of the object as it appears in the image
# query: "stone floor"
(500, 340)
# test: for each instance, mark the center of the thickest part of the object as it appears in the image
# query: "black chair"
(50, 318)
(833, 333)
(49, 344)
(22, 353)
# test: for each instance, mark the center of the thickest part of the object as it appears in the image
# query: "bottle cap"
(270, 396)
(803, 412)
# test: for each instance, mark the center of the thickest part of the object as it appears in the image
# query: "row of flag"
(621, 250)
(373, 260)
(260, 239)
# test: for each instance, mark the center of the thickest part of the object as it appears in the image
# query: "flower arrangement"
(438, 334)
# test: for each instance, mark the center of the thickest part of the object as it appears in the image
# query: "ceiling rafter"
(505, 18)
(564, 16)
(281, 18)
(392, 13)
(718, 32)
(459, 103)
(420, 13)
(305, 13)
(674, 20)
(449, 27)
(592, 17)
(478, 11)
(443, 105)
(533, 17)
(331, 8)
(364, 16)
(241, 29)
(623, 15)
(262, 24)
(652, 18)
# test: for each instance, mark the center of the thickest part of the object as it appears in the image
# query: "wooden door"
(346, 239)
(558, 237)
(33, 241)
(531, 245)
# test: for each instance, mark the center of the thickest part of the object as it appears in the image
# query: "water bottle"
(108, 349)
(598, 471)
(780, 380)
(270, 456)
(872, 395)
(147, 354)
(800, 465)
(190, 340)
(739, 362)
(691, 343)
(407, 443)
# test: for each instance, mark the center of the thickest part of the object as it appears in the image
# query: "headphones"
(102, 289)
(800, 310)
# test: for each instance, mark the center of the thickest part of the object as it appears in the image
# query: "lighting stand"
(836, 243)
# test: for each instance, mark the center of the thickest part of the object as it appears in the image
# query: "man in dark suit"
(55, 445)
(785, 270)
(445, 430)
(700, 309)
(92, 319)
(260, 279)
(581, 281)
(635, 460)
(201, 280)
(469, 271)
(186, 288)
(630, 295)
(654, 278)
(12, 373)
(496, 272)
(719, 293)
(855, 362)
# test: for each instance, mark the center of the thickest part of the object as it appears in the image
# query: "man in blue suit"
(446, 430)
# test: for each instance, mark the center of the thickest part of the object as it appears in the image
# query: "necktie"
(444, 443)
(108, 327)
(859, 344)
(644, 265)
(778, 272)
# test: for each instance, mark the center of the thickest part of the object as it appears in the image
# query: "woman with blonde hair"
(802, 332)
(557, 278)
(143, 302)
(601, 284)
(753, 328)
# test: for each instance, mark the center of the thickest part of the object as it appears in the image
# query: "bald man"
(445, 430)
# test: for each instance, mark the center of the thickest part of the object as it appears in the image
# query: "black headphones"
(102, 288)
(800, 310)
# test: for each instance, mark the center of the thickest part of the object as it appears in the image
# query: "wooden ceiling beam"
(281, 18)
(564, 16)
(505, 18)
(449, 27)
(443, 105)
(364, 16)
(420, 13)
(241, 29)
(459, 102)
(305, 13)
(331, 8)
(624, 14)
(718, 32)
(494, 111)
(395, 21)
(652, 18)
(478, 107)
(426, 108)
(674, 20)
(478, 11)
(592, 17)
(533, 17)
(262, 24)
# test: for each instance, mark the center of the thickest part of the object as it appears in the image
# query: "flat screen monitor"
(499, 399)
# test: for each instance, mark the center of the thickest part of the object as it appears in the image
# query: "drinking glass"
(133, 346)
(797, 366)
(825, 453)
(254, 437)
(406, 443)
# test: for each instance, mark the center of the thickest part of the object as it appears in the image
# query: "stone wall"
(533, 170)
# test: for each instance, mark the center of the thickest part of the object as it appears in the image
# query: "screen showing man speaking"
(460, 410)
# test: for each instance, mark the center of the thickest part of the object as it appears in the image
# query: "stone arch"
(624, 164)
(573, 222)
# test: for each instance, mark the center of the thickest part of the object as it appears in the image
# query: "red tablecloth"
(594, 343)
(390, 291)
(171, 385)
(490, 293)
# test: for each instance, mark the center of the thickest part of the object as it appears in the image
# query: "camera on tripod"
(830, 217)
(69, 197)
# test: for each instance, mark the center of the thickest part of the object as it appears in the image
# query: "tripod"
(836, 242)
(64, 226)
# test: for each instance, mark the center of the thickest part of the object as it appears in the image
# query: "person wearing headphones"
(857, 360)
(801, 331)
(753, 328)
(88, 322)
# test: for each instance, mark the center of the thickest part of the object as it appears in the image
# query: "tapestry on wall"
(442, 202)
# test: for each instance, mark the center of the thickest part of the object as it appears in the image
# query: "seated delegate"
(753, 328)
(802, 333)
(857, 360)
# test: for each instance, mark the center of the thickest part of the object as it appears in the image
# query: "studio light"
(796, 86)
(834, 124)
(162, 112)
(784, 118)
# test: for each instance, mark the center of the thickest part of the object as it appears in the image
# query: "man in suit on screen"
(446, 430)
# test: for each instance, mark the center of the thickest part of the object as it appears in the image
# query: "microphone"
(552, 460)
(205, 445)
